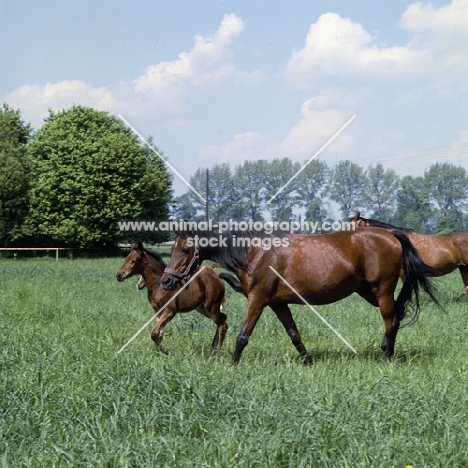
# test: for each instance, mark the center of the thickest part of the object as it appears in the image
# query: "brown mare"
(205, 293)
(322, 268)
(445, 252)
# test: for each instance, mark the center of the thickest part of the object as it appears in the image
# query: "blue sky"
(229, 81)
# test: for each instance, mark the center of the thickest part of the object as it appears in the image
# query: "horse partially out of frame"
(321, 268)
(444, 252)
(204, 294)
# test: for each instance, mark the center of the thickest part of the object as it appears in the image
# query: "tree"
(447, 186)
(156, 190)
(14, 175)
(413, 206)
(183, 208)
(348, 187)
(313, 182)
(382, 186)
(221, 195)
(278, 173)
(89, 173)
(249, 183)
(221, 201)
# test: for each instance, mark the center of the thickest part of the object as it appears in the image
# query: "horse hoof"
(308, 360)
(163, 349)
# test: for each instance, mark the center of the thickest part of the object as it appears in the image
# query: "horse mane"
(156, 257)
(381, 224)
(233, 256)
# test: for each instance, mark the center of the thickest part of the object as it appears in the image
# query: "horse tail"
(232, 281)
(417, 275)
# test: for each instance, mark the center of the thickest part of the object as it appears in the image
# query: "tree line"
(433, 203)
(72, 181)
(69, 184)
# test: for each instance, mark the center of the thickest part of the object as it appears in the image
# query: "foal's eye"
(185, 250)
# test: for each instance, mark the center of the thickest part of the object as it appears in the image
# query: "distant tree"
(89, 173)
(413, 205)
(190, 202)
(220, 193)
(187, 207)
(249, 183)
(222, 204)
(380, 196)
(278, 173)
(447, 186)
(14, 175)
(312, 185)
(348, 187)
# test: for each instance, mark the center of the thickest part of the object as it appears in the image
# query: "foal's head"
(133, 263)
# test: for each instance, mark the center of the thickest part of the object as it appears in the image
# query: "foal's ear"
(138, 246)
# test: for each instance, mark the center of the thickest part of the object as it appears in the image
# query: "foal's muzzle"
(120, 277)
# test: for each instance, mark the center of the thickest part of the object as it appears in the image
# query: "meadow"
(68, 399)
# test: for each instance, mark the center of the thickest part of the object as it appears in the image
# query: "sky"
(229, 81)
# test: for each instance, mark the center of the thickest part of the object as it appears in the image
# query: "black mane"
(381, 224)
(232, 256)
(156, 256)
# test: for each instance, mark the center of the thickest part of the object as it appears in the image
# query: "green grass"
(67, 398)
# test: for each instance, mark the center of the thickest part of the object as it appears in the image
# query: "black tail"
(232, 281)
(417, 275)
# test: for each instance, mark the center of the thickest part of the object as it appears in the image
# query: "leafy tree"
(14, 175)
(156, 188)
(249, 183)
(190, 206)
(89, 173)
(221, 193)
(183, 208)
(312, 185)
(447, 186)
(413, 206)
(382, 186)
(278, 173)
(348, 187)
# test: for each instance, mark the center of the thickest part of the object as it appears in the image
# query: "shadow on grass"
(371, 354)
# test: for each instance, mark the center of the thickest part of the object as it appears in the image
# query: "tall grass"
(67, 398)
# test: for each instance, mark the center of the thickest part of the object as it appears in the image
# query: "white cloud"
(317, 124)
(243, 147)
(426, 19)
(337, 47)
(166, 87)
(314, 129)
(35, 100)
(206, 64)
(340, 50)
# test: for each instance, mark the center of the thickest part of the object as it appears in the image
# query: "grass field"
(67, 398)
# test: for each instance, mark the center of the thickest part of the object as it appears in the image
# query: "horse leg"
(157, 332)
(214, 312)
(254, 310)
(464, 274)
(283, 312)
(221, 329)
(387, 309)
(368, 294)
